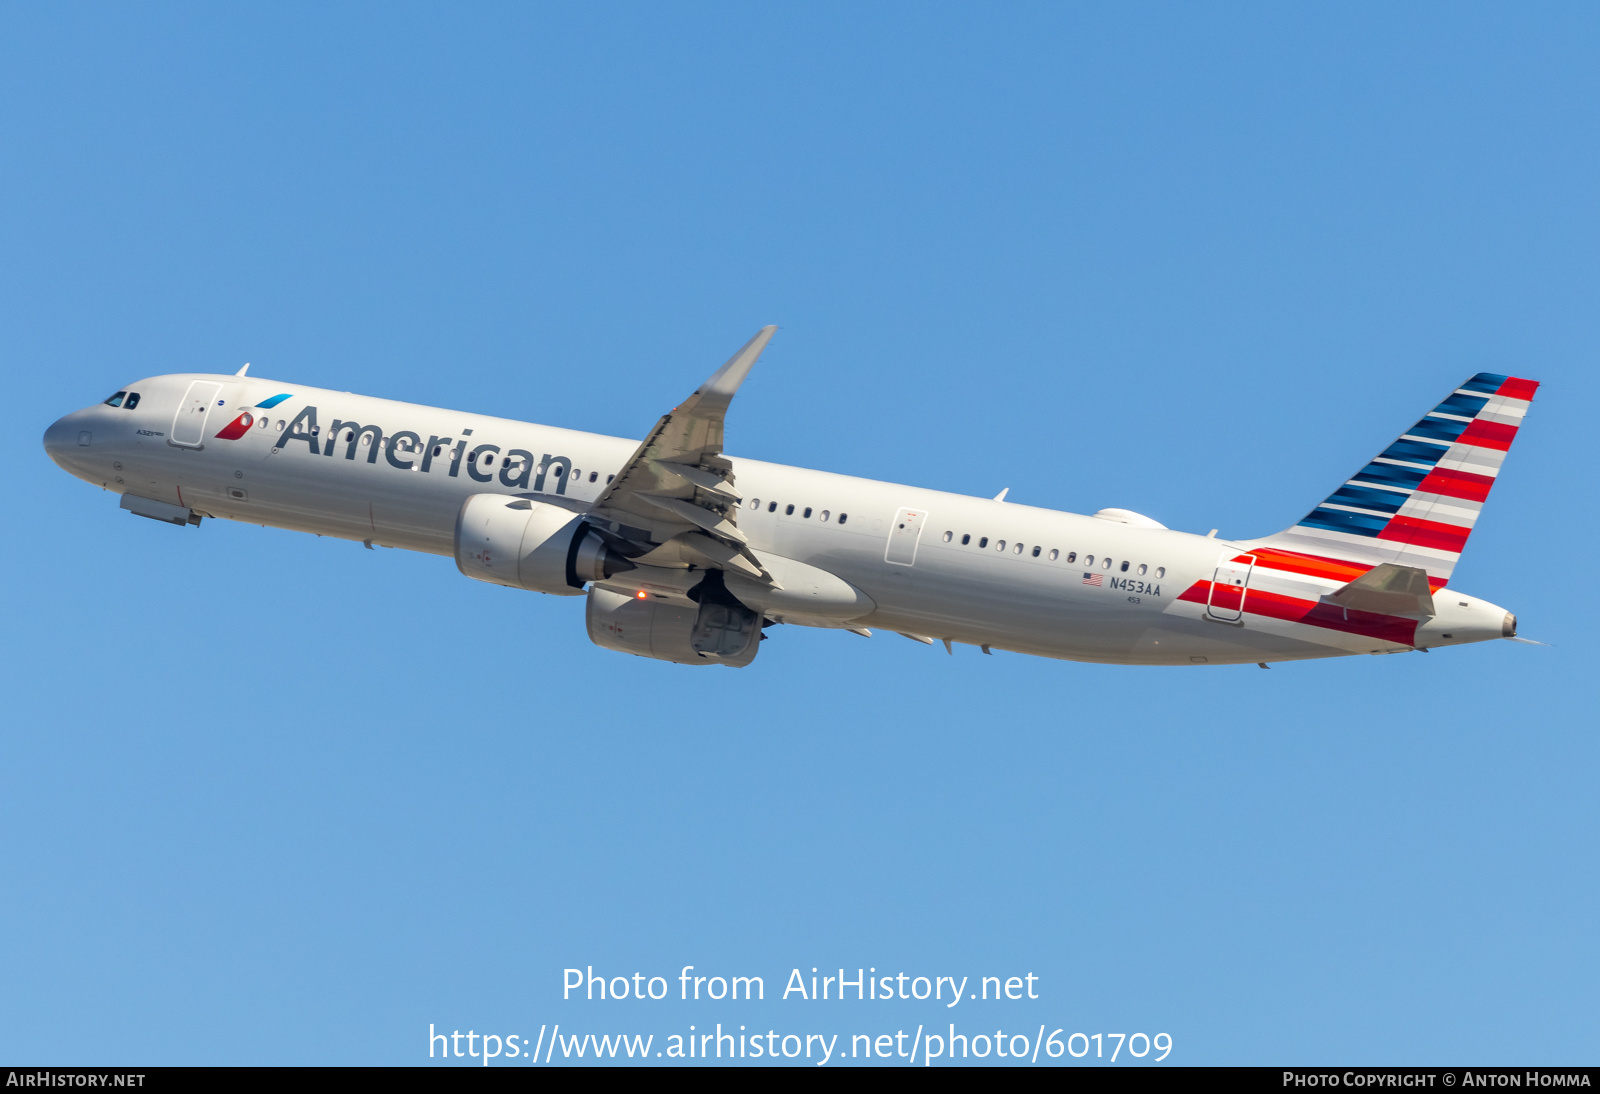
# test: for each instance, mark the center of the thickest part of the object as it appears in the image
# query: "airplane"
(687, 554)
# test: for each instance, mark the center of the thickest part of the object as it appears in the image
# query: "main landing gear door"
(189, 424)
(1229, 587)
(903, 536)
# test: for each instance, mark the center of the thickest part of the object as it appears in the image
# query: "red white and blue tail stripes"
(1416, 502)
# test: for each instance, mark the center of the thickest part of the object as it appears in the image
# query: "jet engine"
(711, 629)
(531, 545)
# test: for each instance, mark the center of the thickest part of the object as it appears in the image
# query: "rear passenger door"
(1229, 586)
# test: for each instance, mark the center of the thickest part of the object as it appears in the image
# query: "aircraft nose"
(62, 435)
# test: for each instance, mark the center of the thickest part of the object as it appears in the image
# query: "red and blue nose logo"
(241, 425)
(236, 428)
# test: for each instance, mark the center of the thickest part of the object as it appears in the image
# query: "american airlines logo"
(241, 425)
(406, 451)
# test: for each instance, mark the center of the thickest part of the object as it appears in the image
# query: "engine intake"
(533, 545)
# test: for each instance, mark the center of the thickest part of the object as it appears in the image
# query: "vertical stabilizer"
(1416, 503)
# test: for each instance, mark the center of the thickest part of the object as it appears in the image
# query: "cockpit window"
(116, 400)
(133, 401)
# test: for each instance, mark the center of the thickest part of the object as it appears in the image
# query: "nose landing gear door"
(189, 424)
(903, 536)
(1229, 586)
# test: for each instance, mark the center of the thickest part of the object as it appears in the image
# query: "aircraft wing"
(674, 500)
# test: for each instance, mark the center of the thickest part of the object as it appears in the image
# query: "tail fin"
(1415, 504)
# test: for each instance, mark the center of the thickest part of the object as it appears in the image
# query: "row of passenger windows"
(1054, 555)
(127, 400)
(805, 514)
(130, 399)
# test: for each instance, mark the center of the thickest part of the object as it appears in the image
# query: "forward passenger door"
(189, 423)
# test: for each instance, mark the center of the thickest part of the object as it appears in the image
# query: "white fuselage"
(1124, 607)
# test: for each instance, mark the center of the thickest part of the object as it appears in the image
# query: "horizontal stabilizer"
(1388, 590)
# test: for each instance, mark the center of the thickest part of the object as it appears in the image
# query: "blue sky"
(268, 798)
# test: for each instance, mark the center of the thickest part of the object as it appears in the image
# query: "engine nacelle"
(716, 631)
(531, 545)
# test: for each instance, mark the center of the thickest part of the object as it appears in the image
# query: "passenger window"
(807, 513)
(1106, 564)
(983, 542)
(1141, 569)
(1124, 567)
(1161, 571)
(1017, 550)
(1036, 552)
(824, 516)
(116, 400)
(788, 510)
(755, 503)
(948, 536)
(1054, 554)
(609, 478)
(133, 401)
(1088, 560)
(593, 475)
(577, 474)
(280, 425)
(843, 517)
(772, 507)
(1000, 545)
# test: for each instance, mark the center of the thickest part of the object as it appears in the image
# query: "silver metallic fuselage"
(989, 596)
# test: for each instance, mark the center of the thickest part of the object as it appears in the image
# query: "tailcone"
(1462, 619)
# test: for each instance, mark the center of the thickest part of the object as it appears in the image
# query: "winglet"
(244, 370)
(717, 392)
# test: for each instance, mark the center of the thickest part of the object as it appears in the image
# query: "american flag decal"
(1093, 579)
